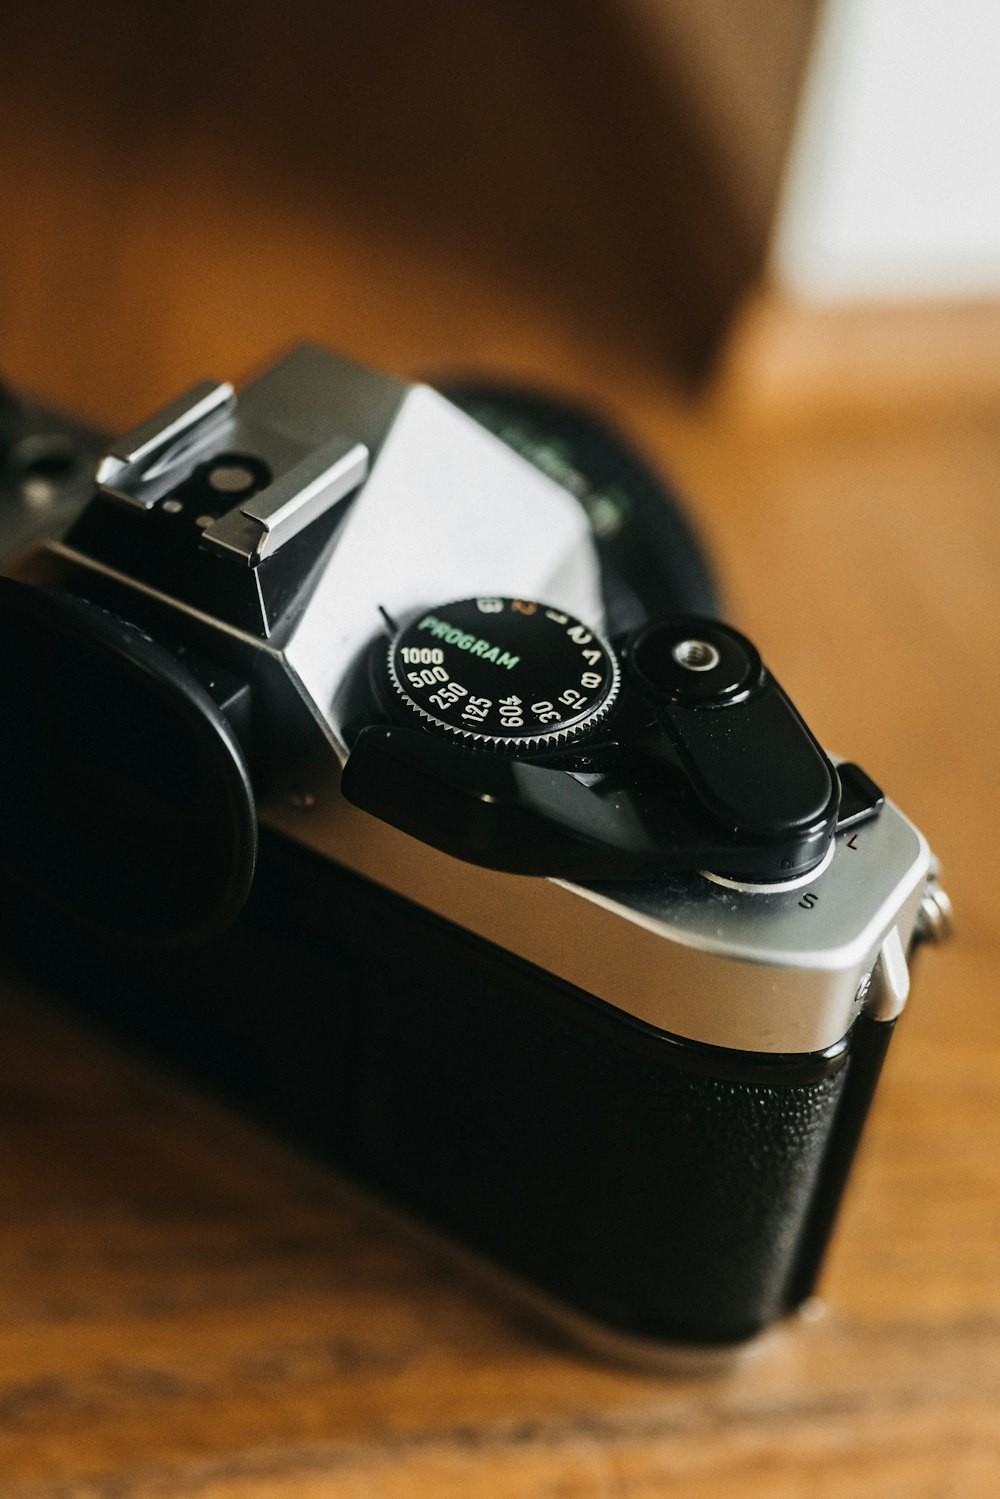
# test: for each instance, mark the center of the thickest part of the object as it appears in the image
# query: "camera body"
(387, 770)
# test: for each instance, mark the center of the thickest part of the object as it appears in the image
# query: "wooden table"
(187, 1311)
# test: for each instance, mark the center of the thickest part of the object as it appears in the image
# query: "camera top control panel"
(514, 735)
(478, 617)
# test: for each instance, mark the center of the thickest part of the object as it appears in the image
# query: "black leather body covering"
(665, 1189)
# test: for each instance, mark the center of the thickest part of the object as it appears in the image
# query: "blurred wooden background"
(186, 1311)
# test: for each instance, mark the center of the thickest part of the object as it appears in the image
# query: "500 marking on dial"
(534, 673)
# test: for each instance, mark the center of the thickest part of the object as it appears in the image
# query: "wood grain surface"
(187, 1312)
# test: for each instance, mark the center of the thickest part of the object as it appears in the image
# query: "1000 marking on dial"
(503, 671)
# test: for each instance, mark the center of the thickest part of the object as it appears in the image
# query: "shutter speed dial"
(504, 673)
(706, 764)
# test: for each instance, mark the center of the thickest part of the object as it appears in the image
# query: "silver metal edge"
(126, 456)
(676, 980)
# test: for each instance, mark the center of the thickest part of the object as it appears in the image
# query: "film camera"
(382, 762)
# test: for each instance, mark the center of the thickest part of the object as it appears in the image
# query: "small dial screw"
(935, 921)
(695, 655)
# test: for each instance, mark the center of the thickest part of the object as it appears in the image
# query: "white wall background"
(893, 186)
